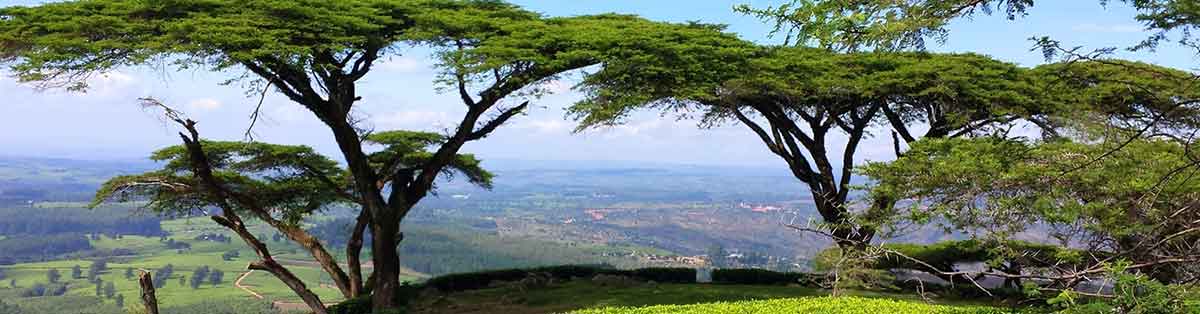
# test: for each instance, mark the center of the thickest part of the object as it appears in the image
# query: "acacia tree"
(897, 25)
(275, 184)
(799, 101)
(314, 52)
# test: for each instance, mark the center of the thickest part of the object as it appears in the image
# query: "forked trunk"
(845, 231)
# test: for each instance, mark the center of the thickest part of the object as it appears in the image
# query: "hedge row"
(479, 280)
(763, 277)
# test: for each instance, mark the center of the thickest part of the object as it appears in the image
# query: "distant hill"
(24, 179)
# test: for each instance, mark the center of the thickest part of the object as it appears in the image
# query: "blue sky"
(106, 123)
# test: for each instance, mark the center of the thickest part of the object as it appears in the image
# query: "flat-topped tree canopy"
(793, 98)
(406, 153)
(63, 42)
(296, 43)
(1129, 95)
(315, 52)
(291, 181)
(961, 86)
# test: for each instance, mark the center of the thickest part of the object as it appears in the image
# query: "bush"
(1133, 294)
(574, 271)
(669, 275)
(44, 290)
(362, 305)
(946, 254)
(762, 277)
(475, 280)
(479, 280)
(359, 305)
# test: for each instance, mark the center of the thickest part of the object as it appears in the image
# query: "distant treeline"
(457, 247)
(16, 193)
(110, 221)
(20, 249)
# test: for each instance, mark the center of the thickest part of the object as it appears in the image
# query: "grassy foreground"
(586, 297)
(807, 305)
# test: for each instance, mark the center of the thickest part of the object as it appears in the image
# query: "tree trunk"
(267, 263)
(387, 265)
(353, 252)
(148, 297)
(293, 282)
(846, 233)
(318, 252)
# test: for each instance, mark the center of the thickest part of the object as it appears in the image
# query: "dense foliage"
(1125, 206)
(110, 221)
(314, 52)
(887, 25)
(478, 280)
(752, 276)
(20, 249)
(830, 305)
(1129, 208)
(796, 100)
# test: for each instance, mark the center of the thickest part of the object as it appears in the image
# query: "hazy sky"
(106, 123)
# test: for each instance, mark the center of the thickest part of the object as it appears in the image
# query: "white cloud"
(662, 127)
(204, 104)
(403, 64)
(110, 80)
(545, 126)
(557, 86)
(423, 120)
(289, 113)
(1112, 28)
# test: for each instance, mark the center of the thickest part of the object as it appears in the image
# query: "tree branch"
(491, 126)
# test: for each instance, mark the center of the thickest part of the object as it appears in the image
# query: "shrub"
(359, 305)
(479, 280)
(1133, 294)
(762, 277)
(475, 280)
(574, 271)
(362, 305)
(663, 274)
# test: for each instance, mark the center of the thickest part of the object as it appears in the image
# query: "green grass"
(152, 254)
(582, 295)
(807, 305)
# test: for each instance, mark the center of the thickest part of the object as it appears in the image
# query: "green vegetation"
(1108, 187)
(831, 305)
(593, 295)
(762, 277)
(477, 280)
(490, 52)
(151, 253)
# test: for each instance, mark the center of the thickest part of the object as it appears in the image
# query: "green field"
(151, 253)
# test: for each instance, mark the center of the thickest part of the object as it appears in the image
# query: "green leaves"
(963, 87)
(880, 25)
(65, 42)
(830, 305)
(405, 152)
(292, 180)
(1003, 187)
